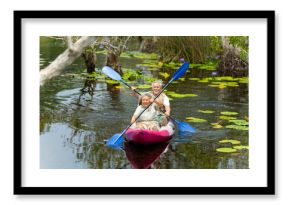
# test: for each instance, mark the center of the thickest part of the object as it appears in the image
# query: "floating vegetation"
(223, 117)
(226, 150)
(112, 82)
(234, 142)
(140, 55)
(92, 75)
(206, 111)
(193, 65)
(238, 127)
(149, 66)
(149, 79)
(229, 113)
(195, 119)
(225, 84)
(131, 75)
(207, 67)
(243, 80)
(240, 122)
(240, 147)
(204, 80)
(225, 78)
(126, 55)
(178, 95)
(194, 79)
(216, 125)
(144, 86)
(172, 65)
(164, 75)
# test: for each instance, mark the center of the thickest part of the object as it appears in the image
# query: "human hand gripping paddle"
(117, 139)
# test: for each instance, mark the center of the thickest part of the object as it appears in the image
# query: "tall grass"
(195, 49)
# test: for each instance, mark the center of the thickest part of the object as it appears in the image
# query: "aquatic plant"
(178, 95)
(195, 119)
(229, 113)
(234, 142)
(223, 117)
(240, 147)
(239, 122)
(144, 86)
(226, 150)
(216, 125)
(238, 127)
(206, 111)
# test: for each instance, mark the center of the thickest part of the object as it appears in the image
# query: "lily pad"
(193, 78)
(226, 150)
(144, 86)
(144, 55)
(149, 79)
(207, 67)
(178, 95)
(112, 82)
(195, 119)
(234, 142)
(229, 113)
(238, 127)
(243, 80)
(241, 147)
(230, 84)
(240, 122)
(223, 117)
(165, 75)
(216, 125)
(206, 111)
(226, 78)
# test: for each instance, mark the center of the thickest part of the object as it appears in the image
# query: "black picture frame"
(19, 189)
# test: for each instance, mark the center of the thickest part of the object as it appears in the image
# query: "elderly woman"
(148, 120)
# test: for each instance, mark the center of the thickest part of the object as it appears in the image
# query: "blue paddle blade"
(108, 71)
(115, 141)
(185, 127)
(180, 72)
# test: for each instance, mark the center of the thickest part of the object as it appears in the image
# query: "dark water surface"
(74, 124)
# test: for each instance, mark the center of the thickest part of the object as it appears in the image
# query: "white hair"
(157, 81)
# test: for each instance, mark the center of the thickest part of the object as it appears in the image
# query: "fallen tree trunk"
(66, 58)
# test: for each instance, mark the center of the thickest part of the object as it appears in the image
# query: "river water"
(75, 123)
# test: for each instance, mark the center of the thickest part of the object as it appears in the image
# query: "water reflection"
(142, 157)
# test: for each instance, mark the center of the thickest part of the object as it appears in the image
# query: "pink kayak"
(150, 136)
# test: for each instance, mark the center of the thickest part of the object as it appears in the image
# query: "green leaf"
(238, 127)
(240, 122)
(223, 117)
(112, 82)
(206, 111)
(234, 142)
(193, 78)
(177, 95)
(216, 125)
(195, 119)
(229, 113)
(241, 147)
(226, 150)
(165, 75)
(144, 86)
